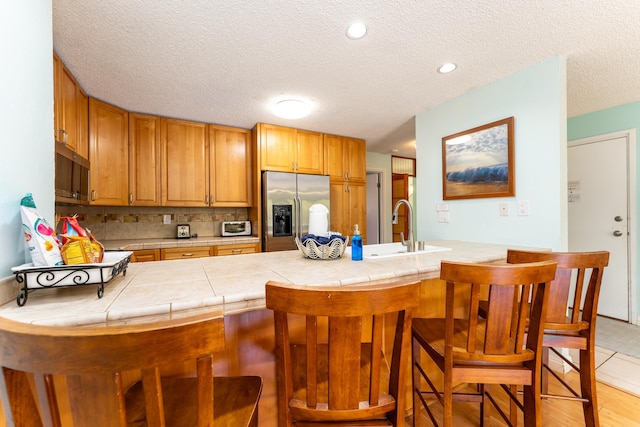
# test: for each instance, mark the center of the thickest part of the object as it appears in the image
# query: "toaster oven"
(236, 228)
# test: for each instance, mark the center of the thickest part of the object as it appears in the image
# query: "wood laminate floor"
(618, 398)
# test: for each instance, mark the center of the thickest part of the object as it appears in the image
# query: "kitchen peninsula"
(234, 286)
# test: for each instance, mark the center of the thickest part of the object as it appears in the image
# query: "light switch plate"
(443, 216)
(166, 219)
(523, 207)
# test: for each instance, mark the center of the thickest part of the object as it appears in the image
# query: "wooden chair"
(342, 372)
(469, 349)
(107, 355)
(566, 326)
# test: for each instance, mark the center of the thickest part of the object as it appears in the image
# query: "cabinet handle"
(187, 254)
(206, 199)
(348, 175)
(65, 136)
(93, 195)
(131, 198)
(237, 251)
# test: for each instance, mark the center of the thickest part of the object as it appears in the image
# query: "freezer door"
(278, 211)
(312, 189)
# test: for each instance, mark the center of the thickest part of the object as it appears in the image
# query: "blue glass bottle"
(356, 245)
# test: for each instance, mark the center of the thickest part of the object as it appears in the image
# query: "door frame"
(632, 249)
(382, 197)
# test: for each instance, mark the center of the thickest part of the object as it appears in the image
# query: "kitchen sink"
(390, 250)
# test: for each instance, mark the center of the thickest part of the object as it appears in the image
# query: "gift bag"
(79, 246)
(41, 239)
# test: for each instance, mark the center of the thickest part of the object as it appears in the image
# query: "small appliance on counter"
(183, 231)
(236, 228)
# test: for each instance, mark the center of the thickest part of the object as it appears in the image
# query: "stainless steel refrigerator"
(286, 199)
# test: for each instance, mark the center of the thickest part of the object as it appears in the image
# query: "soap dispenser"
(356, 245)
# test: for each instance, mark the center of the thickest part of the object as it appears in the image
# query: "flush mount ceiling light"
(291, 109)
(447, 68)
(356, 31)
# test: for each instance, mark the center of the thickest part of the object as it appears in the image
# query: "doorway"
(374, 207)
(601, 212)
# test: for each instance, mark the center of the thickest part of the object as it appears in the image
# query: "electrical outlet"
(503, 209)
(443, 216)
(523, 207)
(166, 219)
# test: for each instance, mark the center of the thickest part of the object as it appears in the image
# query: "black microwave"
(72, 176)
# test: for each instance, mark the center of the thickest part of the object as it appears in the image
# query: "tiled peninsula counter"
(234, 286)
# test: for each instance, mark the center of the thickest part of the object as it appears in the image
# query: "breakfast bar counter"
(234, 286)
(229, 284)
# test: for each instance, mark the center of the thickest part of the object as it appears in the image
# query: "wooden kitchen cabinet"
(144, 160)
(348, 207)
(186, 253)
(185, 163)
(345, 158)
(231, 175)
(145, 255)
(70, 105)
(290, 150)
(109, 154)
(238, 249)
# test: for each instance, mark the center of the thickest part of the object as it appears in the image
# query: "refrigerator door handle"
(298, 217)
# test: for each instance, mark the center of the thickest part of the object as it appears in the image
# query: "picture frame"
(479, 162)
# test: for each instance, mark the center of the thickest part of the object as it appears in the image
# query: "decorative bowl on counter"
(313, 249)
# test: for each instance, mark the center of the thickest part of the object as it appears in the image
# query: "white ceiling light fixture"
(356, 31)
(291, 109)
(447, 68)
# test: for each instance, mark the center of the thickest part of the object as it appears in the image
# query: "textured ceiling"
(227, 61)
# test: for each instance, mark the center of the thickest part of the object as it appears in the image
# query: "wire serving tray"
(44, 277)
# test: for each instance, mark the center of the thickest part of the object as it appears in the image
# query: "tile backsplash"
(117, 223)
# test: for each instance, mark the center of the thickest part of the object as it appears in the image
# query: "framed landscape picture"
(479, 162)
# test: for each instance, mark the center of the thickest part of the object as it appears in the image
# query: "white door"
(599, 214)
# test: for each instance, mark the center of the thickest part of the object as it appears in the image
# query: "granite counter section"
(228, 284)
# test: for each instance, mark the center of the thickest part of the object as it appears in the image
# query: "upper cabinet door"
(277, 147)
(109, 154)
(231, 177)
(144, 160)
(333, 157)
(345, 158)
(185, 163)
(310, 152)
(355, 159)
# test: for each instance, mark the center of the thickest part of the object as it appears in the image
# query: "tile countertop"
(139, 244)
(232, 284)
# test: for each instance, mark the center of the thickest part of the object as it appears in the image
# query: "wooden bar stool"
(568, 327)
(340, 372)
(106, 355)
(492, 350)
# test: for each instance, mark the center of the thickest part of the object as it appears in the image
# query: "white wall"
(26, 120)
(536, 97)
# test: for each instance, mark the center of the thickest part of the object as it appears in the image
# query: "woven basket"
(332, 250)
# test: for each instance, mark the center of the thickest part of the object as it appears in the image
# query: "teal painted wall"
(536, 97)
(614, 119)
(26, 119)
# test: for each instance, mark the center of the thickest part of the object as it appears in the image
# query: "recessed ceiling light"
(356, 31)
(447, 68)
(291, 109)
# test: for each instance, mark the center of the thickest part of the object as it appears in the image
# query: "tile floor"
(618, 354)
(618, 370)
